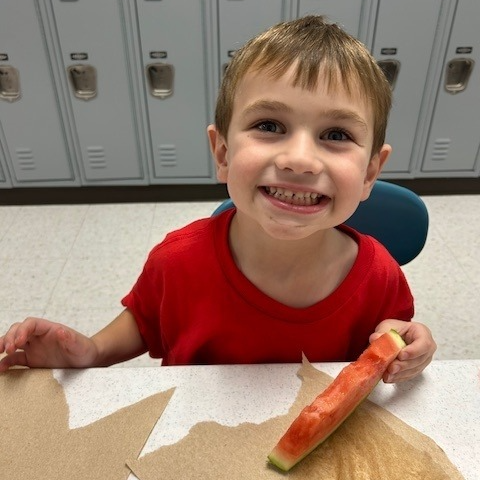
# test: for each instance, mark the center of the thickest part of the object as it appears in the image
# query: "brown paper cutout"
(37, 444)
(372, 444)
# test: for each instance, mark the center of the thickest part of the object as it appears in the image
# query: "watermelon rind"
(397, 338)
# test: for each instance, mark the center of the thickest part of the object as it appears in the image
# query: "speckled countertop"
(443, 403)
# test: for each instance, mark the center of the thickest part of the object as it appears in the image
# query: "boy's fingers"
(15, 359)
(403, 375)
(374, 336)
(386, 325)
(420, 350)
(9, 339)
(21, 332)
(404, 370)
(16, 337)
(32, 327)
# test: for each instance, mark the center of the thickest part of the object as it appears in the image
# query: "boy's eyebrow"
(348, 115)
(334, 114)
(270, 105)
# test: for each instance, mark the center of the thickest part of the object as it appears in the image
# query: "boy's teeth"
(298, 198)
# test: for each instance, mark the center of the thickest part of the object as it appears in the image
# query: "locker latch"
(457, 74)
(390, 69)
(160, 79)
(9, 83)
(83, 80)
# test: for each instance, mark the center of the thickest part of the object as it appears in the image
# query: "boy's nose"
(300, 156)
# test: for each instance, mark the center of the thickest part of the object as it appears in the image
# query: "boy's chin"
(290, 230)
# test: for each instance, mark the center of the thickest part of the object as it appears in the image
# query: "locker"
(176, 54)
(405, 57)
(353, 17)
(4, 183)
(4, 178)
(94, 52)
(36, 144)
(240, 20)
(454, 137)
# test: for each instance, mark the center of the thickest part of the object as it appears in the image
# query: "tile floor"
(73, 264)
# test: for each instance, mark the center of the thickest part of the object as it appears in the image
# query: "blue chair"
(394, 215)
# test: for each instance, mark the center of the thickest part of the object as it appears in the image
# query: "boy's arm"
(119, 341)
(39, 343)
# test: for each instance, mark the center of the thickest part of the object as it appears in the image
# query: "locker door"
(350, 15)
(240, 20)
(4, 179)
(175, 47)
(94, 51)
(405, 54)
(4, 183)
(454, 137)
(34, 138)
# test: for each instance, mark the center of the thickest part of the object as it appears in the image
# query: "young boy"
(299, 140)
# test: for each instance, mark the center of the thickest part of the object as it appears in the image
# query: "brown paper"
(372, 444)
(37, 444)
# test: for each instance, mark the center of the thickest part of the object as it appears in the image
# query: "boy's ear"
(375, 166)
(218, 147)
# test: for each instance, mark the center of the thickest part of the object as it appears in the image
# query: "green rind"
(277, 462)
(397, 338)
(276, 458)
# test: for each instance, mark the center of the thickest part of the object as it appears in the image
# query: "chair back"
(394, 215)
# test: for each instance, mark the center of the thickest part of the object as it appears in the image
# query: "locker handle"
(83, 80)
(457, 74)
(160, 77)
(390, 69)
(9, 83)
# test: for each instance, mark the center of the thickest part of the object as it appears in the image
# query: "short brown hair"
(313, 45)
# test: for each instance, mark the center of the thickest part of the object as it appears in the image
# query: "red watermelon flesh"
(332, 407)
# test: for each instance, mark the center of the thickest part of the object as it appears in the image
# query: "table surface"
(443, 403)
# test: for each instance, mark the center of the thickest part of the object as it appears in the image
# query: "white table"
(443, 403)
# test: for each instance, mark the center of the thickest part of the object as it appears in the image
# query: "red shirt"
(194, 306)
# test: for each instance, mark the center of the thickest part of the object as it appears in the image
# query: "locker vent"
(167, 155)
(96, 157)
(25, 159)
(440, 149)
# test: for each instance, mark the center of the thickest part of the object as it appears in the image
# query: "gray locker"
(240, 20)
(36, 145)
(94, 49)
(404, 40)
(4, 183)
(176, 38)
(454, 137)
(354, 17)
(4, 178)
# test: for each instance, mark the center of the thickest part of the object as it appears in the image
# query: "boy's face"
(296, 161)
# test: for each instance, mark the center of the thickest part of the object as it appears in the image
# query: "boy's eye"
(336, 135)
(268, 126)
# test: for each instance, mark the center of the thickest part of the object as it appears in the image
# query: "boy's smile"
(289, 199)
(284, 195)
(296, 161)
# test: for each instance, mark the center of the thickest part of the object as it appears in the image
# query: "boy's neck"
(298, 273)
(248, 241)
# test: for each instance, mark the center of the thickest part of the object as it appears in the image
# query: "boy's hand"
(36, 342)
(415, 356)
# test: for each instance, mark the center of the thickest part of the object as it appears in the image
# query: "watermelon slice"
(331, 408)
